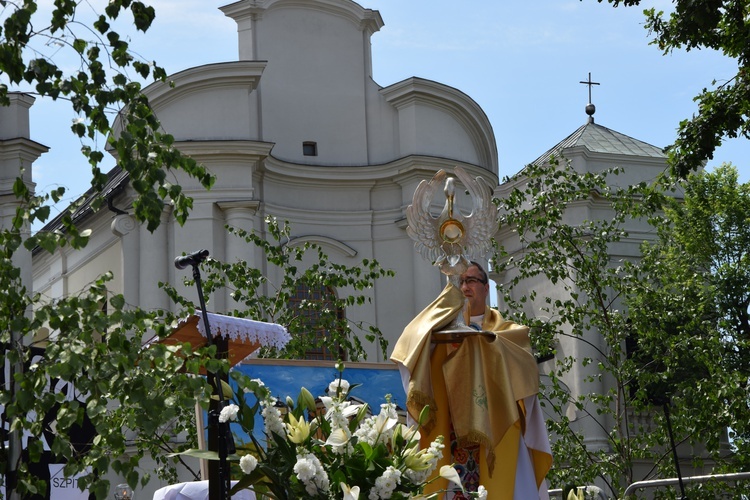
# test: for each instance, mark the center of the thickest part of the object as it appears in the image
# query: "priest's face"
(475, 288)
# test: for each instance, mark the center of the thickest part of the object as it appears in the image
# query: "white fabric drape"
(243, 329)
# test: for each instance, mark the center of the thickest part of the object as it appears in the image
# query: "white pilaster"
(241, 214)
(153, 265)
(124, 226)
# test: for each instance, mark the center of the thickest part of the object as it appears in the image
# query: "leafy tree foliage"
(695, 331)
(723, 111)
(633, 333)
(98, 356)
(99, 353)
(585, 313)
(102, 93)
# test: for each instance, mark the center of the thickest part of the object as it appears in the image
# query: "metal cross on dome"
(590, 84)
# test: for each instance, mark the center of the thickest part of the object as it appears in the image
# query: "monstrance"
(451, 239)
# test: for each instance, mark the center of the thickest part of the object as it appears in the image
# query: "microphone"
(191, 259)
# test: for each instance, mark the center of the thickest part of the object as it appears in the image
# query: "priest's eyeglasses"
(471, 280)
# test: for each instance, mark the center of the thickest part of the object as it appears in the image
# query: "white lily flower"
(412, 433)
(338, 385)
(351, 410)
(327, 402)
(451, 474)
(297, 430)
(350, 493)
(384, 423)
(338, 437)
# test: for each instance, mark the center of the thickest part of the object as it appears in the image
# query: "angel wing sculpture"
(451, 239)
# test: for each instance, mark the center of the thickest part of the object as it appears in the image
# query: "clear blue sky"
(520, 60)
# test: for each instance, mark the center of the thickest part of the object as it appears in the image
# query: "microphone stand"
(674, 450)
(222, 429)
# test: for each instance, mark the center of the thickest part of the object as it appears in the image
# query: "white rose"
(343, 384)
(481, 493)
(248, 463)
(228, 413)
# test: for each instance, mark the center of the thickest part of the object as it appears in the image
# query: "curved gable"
(217, 94)
(439, 120)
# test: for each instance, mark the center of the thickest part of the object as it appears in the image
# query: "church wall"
(382, 126)
(151, 262)
(203, 230)
(68, 271)
(313, 87)
(234, 179)
(427, 109)
(234, 163)
(395, 297)
(416, 282)
(385, 200)
(635, 169)
(48, 271)
(433, 126)
(341, 254)
(107, 259)
(17, 155)
(231, 113)
(580, 379)
(588, 379)
(326, 195)
(351, 227)
(423, 129)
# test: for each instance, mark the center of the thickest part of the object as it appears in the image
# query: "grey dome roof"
(599, 139)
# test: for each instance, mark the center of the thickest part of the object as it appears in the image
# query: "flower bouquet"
(334, 449)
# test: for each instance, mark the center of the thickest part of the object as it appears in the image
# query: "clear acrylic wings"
(451, 239)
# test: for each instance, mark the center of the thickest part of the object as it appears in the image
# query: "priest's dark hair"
(485, 277)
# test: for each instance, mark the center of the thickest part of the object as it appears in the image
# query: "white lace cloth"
(195, 490)
(243, 329)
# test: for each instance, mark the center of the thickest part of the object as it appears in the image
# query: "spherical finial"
(590, 110)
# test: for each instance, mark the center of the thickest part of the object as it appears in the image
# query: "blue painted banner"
(286, 378)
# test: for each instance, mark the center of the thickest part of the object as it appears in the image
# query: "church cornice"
(21, 147)
(304, 215)
(250, 205)
(207, 77)
(365, 19)
(254, 150)
(614, 159)
(399, 170)
(323, 241)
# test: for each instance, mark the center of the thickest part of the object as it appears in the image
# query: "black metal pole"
(222, 429)
(674, 451)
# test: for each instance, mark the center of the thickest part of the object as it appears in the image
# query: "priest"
(482, 393)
